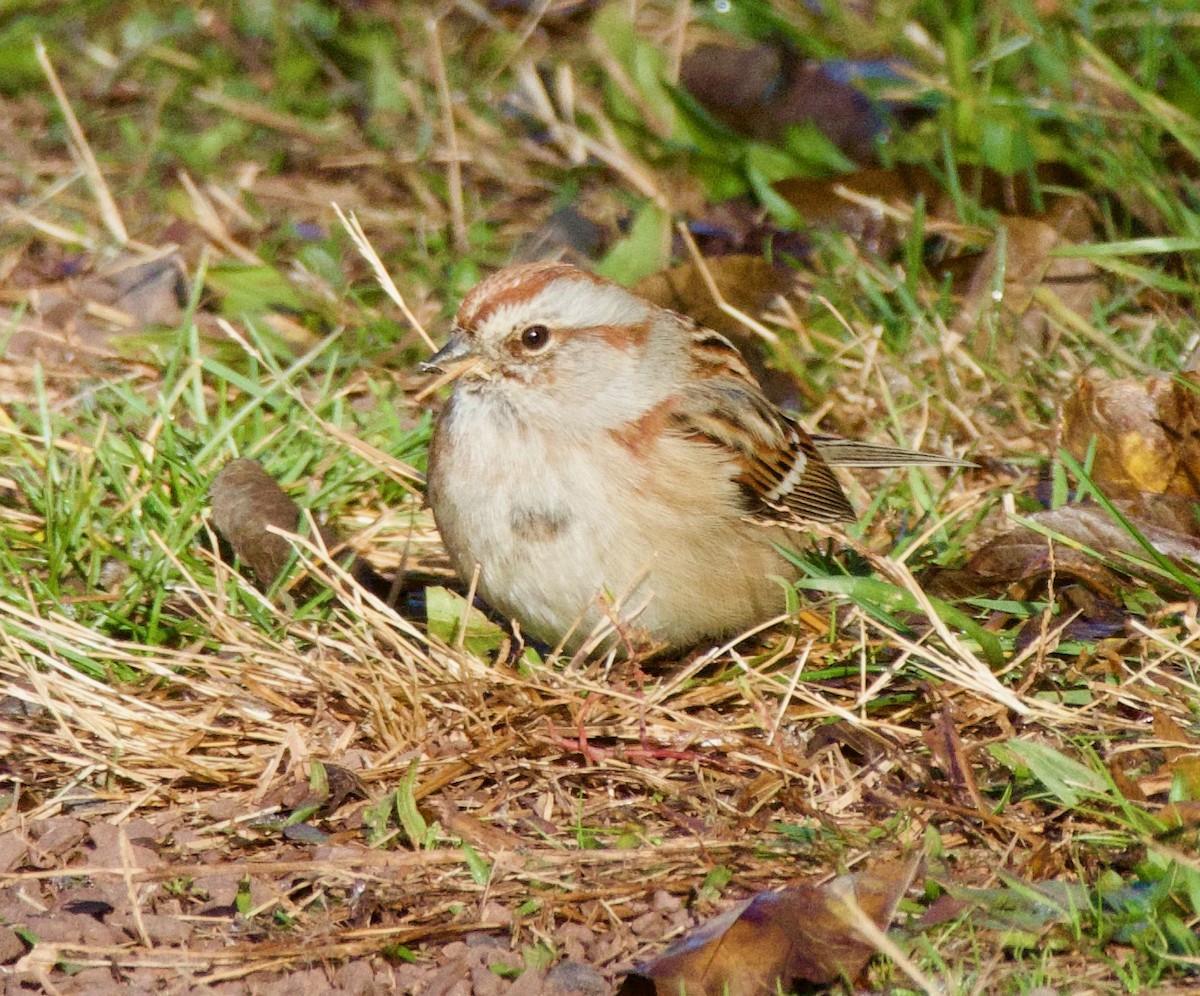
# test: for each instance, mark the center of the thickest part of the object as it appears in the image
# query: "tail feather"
(839, 452)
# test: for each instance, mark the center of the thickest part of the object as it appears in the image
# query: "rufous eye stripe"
(623, 337)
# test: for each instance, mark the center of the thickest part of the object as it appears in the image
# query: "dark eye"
(535, 337)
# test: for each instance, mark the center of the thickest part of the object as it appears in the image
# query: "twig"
(82, 151)
(363, 244)
(458, 221)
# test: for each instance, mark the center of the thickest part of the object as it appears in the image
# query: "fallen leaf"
(1025, 553)
(764, 945)
(871, 745)
(1165, 728)
(1146, 433)
(946, 746)
(1016, 273)
(854, 203)
(85, 315)
(1067, 780)
(567, 234)
(761, 92)
(858, 204)
(245, 501)
(749, 284)
(486, 837)
(1185, 813)
(445, 610)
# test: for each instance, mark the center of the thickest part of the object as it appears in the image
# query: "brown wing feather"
(782, 473)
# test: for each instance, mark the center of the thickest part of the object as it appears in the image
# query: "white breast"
(562, 531)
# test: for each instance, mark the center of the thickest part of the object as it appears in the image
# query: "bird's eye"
(535, 337)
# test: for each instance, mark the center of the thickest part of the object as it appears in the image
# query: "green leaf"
(715, 881)
(644, 64)
(1004, 145)
(645, 250)
(481, 871)
(252, 290)
(878, 598)
(1129, 247)
(415, 827)
(243, 902)
(1066, 779)
(539, 955)
(378, 817)
(444, 613)
(318, 778)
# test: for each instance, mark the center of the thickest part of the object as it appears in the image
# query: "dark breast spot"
(539, 524)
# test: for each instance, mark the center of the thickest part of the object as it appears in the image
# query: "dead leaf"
(766, 943)
(854, 203)
(1183, 813)
(567, 234)
(1016, 272)
(484, 837)
(1089, 582)
(1023, 553)
(870, 745)
(245, 501)
(1147, 433)
(84, 315)
(749, 283)
(548, 13)
(1126, 785)
(762, 91)
(1165, 728)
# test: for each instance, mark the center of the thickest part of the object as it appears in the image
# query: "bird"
(609, 473)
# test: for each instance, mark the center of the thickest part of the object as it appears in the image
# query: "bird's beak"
(450, 362)
(457, 349)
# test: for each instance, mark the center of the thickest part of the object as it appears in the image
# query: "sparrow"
(606, 471)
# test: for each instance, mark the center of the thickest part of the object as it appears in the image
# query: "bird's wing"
(782, 472)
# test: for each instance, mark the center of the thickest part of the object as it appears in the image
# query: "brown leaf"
(1021, 267)
(1185, 775)
(245, 501)
(567, 234)
(1147, 433)
(1125, 785)
(482, 836)
(83, 315)
(1165, 728)
(850, 204)
(776, 938)
(869, 744)
(824, 202)
(1023, 553)
(748, 283)
(1183, 813)
(762, 91)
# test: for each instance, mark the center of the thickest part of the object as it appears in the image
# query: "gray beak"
(457, 348)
